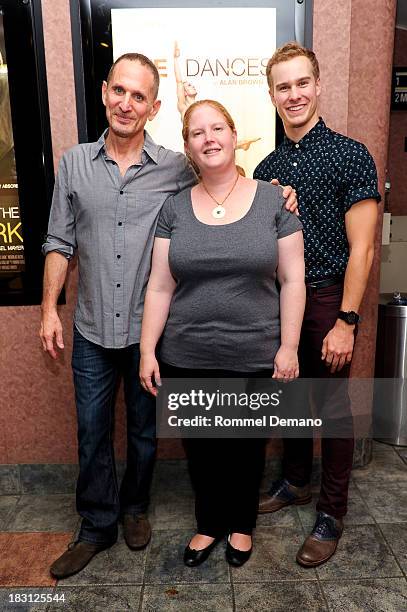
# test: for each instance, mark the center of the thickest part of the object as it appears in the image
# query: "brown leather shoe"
(281, 494)
(75, 558)
(137, 531)
(321, 544)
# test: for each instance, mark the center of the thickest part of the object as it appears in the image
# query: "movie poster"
(219, 53)
(11, 236)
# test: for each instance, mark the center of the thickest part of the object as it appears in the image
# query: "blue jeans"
(99, 501)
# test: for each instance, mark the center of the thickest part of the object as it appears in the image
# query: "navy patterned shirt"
(330, 172)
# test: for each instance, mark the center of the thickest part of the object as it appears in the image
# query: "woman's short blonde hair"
(288, 52)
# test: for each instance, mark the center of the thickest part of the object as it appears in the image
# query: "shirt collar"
(310, 138)
(99, 145)
(149, 146)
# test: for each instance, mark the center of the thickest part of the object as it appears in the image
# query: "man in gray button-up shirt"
(110, 220)
(106, 202)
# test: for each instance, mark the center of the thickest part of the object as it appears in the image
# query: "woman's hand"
(286, 364)
(148, 369)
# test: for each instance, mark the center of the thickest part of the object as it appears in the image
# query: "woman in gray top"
(212, 295)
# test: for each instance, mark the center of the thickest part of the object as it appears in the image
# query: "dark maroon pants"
(332, 405)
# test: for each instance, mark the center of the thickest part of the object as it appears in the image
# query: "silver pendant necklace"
(220, 211)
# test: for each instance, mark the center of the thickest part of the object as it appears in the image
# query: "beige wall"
(37, 417)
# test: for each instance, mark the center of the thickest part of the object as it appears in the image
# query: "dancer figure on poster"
(186, 92)
(186, 95)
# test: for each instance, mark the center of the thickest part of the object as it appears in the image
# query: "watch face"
(352, 317)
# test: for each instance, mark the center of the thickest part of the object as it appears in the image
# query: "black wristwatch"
(350, 317)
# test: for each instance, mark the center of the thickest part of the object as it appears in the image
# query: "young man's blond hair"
(287, 52)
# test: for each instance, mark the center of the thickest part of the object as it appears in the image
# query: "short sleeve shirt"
(225, 309)
(330, 173)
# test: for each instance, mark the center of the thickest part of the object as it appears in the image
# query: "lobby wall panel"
(60, 77)
(332, 25)
(372, 42)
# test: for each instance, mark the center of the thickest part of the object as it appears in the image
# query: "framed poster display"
(202, 49)
(26, 167)
(399, 89)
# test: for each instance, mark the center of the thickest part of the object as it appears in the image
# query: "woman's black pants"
(225, 472)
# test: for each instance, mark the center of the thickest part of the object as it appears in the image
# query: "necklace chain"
(220, 204)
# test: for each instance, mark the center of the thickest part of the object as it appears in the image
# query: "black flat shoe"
(193, 557)
(237, 557)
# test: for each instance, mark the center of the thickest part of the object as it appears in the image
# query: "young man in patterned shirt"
(336, 183)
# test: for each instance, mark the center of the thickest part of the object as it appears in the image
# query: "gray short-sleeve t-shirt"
(225, 309)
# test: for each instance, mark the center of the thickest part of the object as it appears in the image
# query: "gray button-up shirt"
(110, 220)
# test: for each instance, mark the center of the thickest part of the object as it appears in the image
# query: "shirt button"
(121, 192)
(117, 314)
(120, 224)
(297, 146)
(118, 285)
(295, 164)
(118, 257)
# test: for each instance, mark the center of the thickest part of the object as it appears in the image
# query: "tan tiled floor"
(367, 574)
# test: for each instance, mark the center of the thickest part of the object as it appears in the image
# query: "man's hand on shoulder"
(290, 195)
(51, 328)
(337, 347)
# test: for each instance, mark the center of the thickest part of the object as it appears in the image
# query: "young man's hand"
(290, 195)
(337, 347)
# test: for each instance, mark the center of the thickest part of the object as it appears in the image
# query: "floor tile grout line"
(304, 528)
(20, 486)
(277, 580)
(341, 578)
(141, 598)
(328, 607)
(365, 503)
(86, 585)
(390, 547)
(232, 587)
(139, 584)
(206, 583)
(321, 581)
(54, 592)
(143, 585)
(11, 515)
(334, 579)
